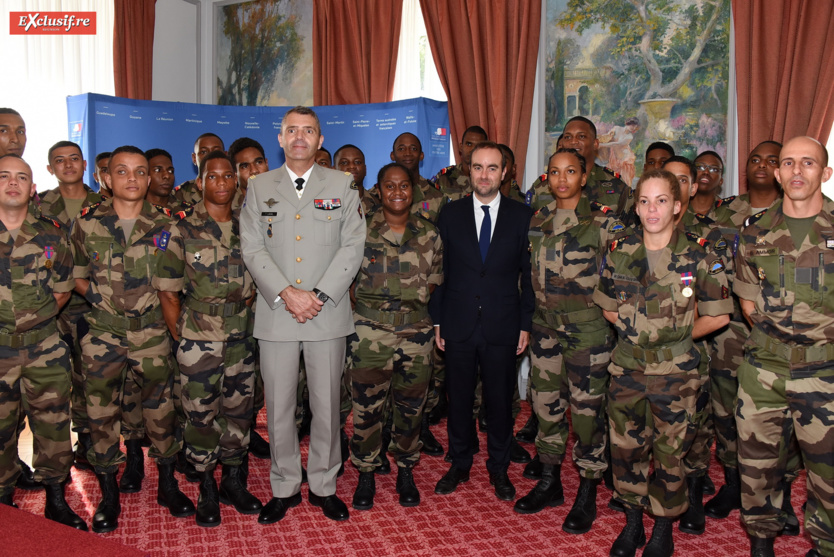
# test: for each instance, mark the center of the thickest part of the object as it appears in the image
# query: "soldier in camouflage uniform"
(213, 331)
(116, 247)
(572, 342)
(651, 282)
(187, 193)
(401, 266)
(453, 181)
(35, 281)
(603, 186)
(784, 263)
(64, 203)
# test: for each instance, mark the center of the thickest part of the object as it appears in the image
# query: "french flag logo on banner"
(440, 131)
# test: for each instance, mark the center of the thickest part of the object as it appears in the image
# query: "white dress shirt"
(306, 176)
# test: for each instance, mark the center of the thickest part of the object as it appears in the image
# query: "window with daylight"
(416, 73)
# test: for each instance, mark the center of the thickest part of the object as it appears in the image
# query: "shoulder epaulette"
(597, 206)
(703, 242)
(50, 220)
(90, 209)
(179, 215)
(611, 172)
(617, 243)
(528, 197)
(754, 218)
(725, 201)
(543, 177)
(164, 210)
(178, 187)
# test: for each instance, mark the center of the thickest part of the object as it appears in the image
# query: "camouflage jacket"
(791, 288)
(119, 269)
(34, 267)
(426, 201)
(566, 253)
(516, 194)
(656, 311)
(397, 277)
(452, 182)
(210, 272)
(187, 193)
(602, 186)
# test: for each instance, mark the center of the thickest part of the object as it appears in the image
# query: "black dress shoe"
(258, 446)
(277, 508)
(482, 423)
(449, 483)
(504, 488)
(518, 454)
(333, 507)
(533, 470)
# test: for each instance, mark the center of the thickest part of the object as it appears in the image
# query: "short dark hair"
(347, 146)
(712, 153)
(769, 141)
(329, 156)
(474, 129)
(103, 155)
(130, 149)
(420, 143)
(491, 145)
(208, 134)
(582, 162)
(6, 110)
(303, 111)
(60, 145)
(151, 153)
(586, 121)
(508, 153)
(662, 146)
(243, 143)
(214, 155)
(388, 167)
(683, 160)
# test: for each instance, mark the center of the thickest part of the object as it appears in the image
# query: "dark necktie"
(299, 184)
(486, 230)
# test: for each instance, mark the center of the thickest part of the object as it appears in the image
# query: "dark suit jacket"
(498, 289)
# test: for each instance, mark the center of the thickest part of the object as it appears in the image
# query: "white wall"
(177, 50)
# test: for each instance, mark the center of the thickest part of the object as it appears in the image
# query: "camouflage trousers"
(218, 383)
(133, 425)
(145, 356)
(697, 459)
(383, 361)
(438, 378)
(650, 419)
(727, 354)
(68, 324)
(35, 381)
(771, 407)
(570, 370)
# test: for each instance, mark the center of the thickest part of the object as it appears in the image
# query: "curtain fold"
(133, 48)
(485, 53)
(355, 50)
(785, 71)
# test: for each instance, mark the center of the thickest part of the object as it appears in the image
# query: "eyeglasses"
(711, 169)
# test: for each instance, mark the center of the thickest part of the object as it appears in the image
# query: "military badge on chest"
(686, 279)
(48, 253)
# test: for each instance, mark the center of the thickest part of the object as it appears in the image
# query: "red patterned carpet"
(471, 521)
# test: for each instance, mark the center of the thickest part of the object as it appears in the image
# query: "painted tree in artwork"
(264, 43)
(669, 39)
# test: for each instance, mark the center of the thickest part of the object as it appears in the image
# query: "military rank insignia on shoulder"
(597, 206)
(754, 218)
(725, 201)
(617, 243)
(90, 209)
(528, 197)
(50, 220)
(164, 210)
(180, 215)
(543, 177)
(697, 239)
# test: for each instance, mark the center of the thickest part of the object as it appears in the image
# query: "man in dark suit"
(303, 237)
(483, 314)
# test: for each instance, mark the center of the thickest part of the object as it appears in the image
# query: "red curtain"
(133, 48)
(485, 52)
(355, 50)
(785, 71)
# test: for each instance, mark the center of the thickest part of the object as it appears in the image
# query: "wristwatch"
(320, 295)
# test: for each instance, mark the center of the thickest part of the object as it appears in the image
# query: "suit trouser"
(498, 373)
(324, 361)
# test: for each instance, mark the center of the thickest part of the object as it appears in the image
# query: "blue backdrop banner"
(101, 123)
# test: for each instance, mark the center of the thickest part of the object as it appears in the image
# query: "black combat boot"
(761, 547)
(131, 480)
(26, 480)
(233, 490)
(208, 503)
(728, 498)
(168, 492)
(584, 511)
(547, 493)
(8, 498)
(527, 434)
(533, 470)
(58, 510)
(431, 446)
(661, 544)
(632, 536)
(82, 445)
(791, 522)
(186, 468)
(107, 514)
(409, 495)
(363, 497)
(693, 520)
